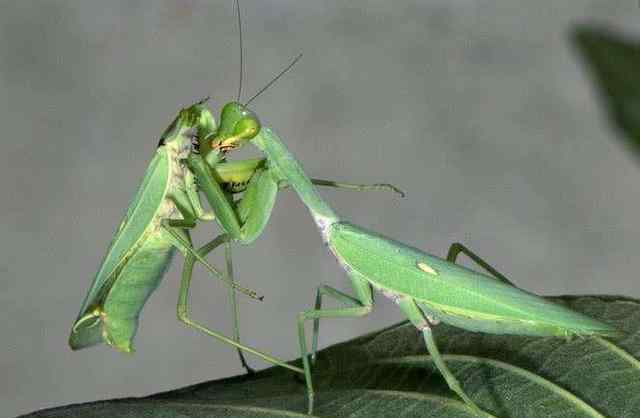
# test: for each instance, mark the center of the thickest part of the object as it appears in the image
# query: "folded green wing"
(454, 293)
(140, 213)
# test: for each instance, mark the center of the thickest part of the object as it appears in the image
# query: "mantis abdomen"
(452, 293)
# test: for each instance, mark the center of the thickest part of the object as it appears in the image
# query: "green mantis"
(427, 289)
(165, 206)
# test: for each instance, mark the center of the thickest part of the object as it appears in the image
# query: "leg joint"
(183, 314)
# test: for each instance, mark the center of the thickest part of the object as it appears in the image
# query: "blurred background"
(479, 110)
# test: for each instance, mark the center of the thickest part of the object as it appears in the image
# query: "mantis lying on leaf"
(427, 289)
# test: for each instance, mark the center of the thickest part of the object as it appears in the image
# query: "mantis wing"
(453, 293)
(130, 233)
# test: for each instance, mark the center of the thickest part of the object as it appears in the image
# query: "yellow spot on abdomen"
(427, 268)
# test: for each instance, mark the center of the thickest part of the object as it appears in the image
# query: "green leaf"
(387, 374)
(614, 61)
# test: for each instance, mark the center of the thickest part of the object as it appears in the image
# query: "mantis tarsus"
(428, 289)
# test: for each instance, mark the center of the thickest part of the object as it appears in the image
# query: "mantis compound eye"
(237, 126)
(247, 127)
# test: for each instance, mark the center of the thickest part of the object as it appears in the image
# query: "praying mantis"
(157, 220)
(427, 289)
(190, 161)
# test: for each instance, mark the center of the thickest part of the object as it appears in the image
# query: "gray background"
(478, 109)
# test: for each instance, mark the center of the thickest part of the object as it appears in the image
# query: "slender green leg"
(174, 229)
(234, 304)
(337, 295)
(418, 319)
(194, 198)
(358, 187)
(457, 248)
(363, 290)
(209, 247)
(183, 308)
(350, 186)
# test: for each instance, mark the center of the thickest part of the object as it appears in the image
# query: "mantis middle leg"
(356, 307)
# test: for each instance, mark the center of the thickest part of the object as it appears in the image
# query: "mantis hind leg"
(184, 315)
(339, 296)
(457, 248)
(420, 321)
(357, 307)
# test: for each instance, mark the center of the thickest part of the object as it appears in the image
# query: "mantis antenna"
(262, 90)
(241, 50)
(270, 83)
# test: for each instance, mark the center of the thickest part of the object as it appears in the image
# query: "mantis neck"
(287, 167)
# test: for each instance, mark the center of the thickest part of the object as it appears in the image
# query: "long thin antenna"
(241, 50)
(262, 90)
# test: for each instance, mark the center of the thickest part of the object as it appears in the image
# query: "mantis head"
(238, 125)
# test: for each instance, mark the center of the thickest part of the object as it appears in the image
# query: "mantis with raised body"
(166, 205)
(428, 289)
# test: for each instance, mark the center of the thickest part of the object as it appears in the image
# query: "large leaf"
(614, 60)
(387, 374)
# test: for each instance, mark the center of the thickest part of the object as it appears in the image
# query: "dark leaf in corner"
(614, 61)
